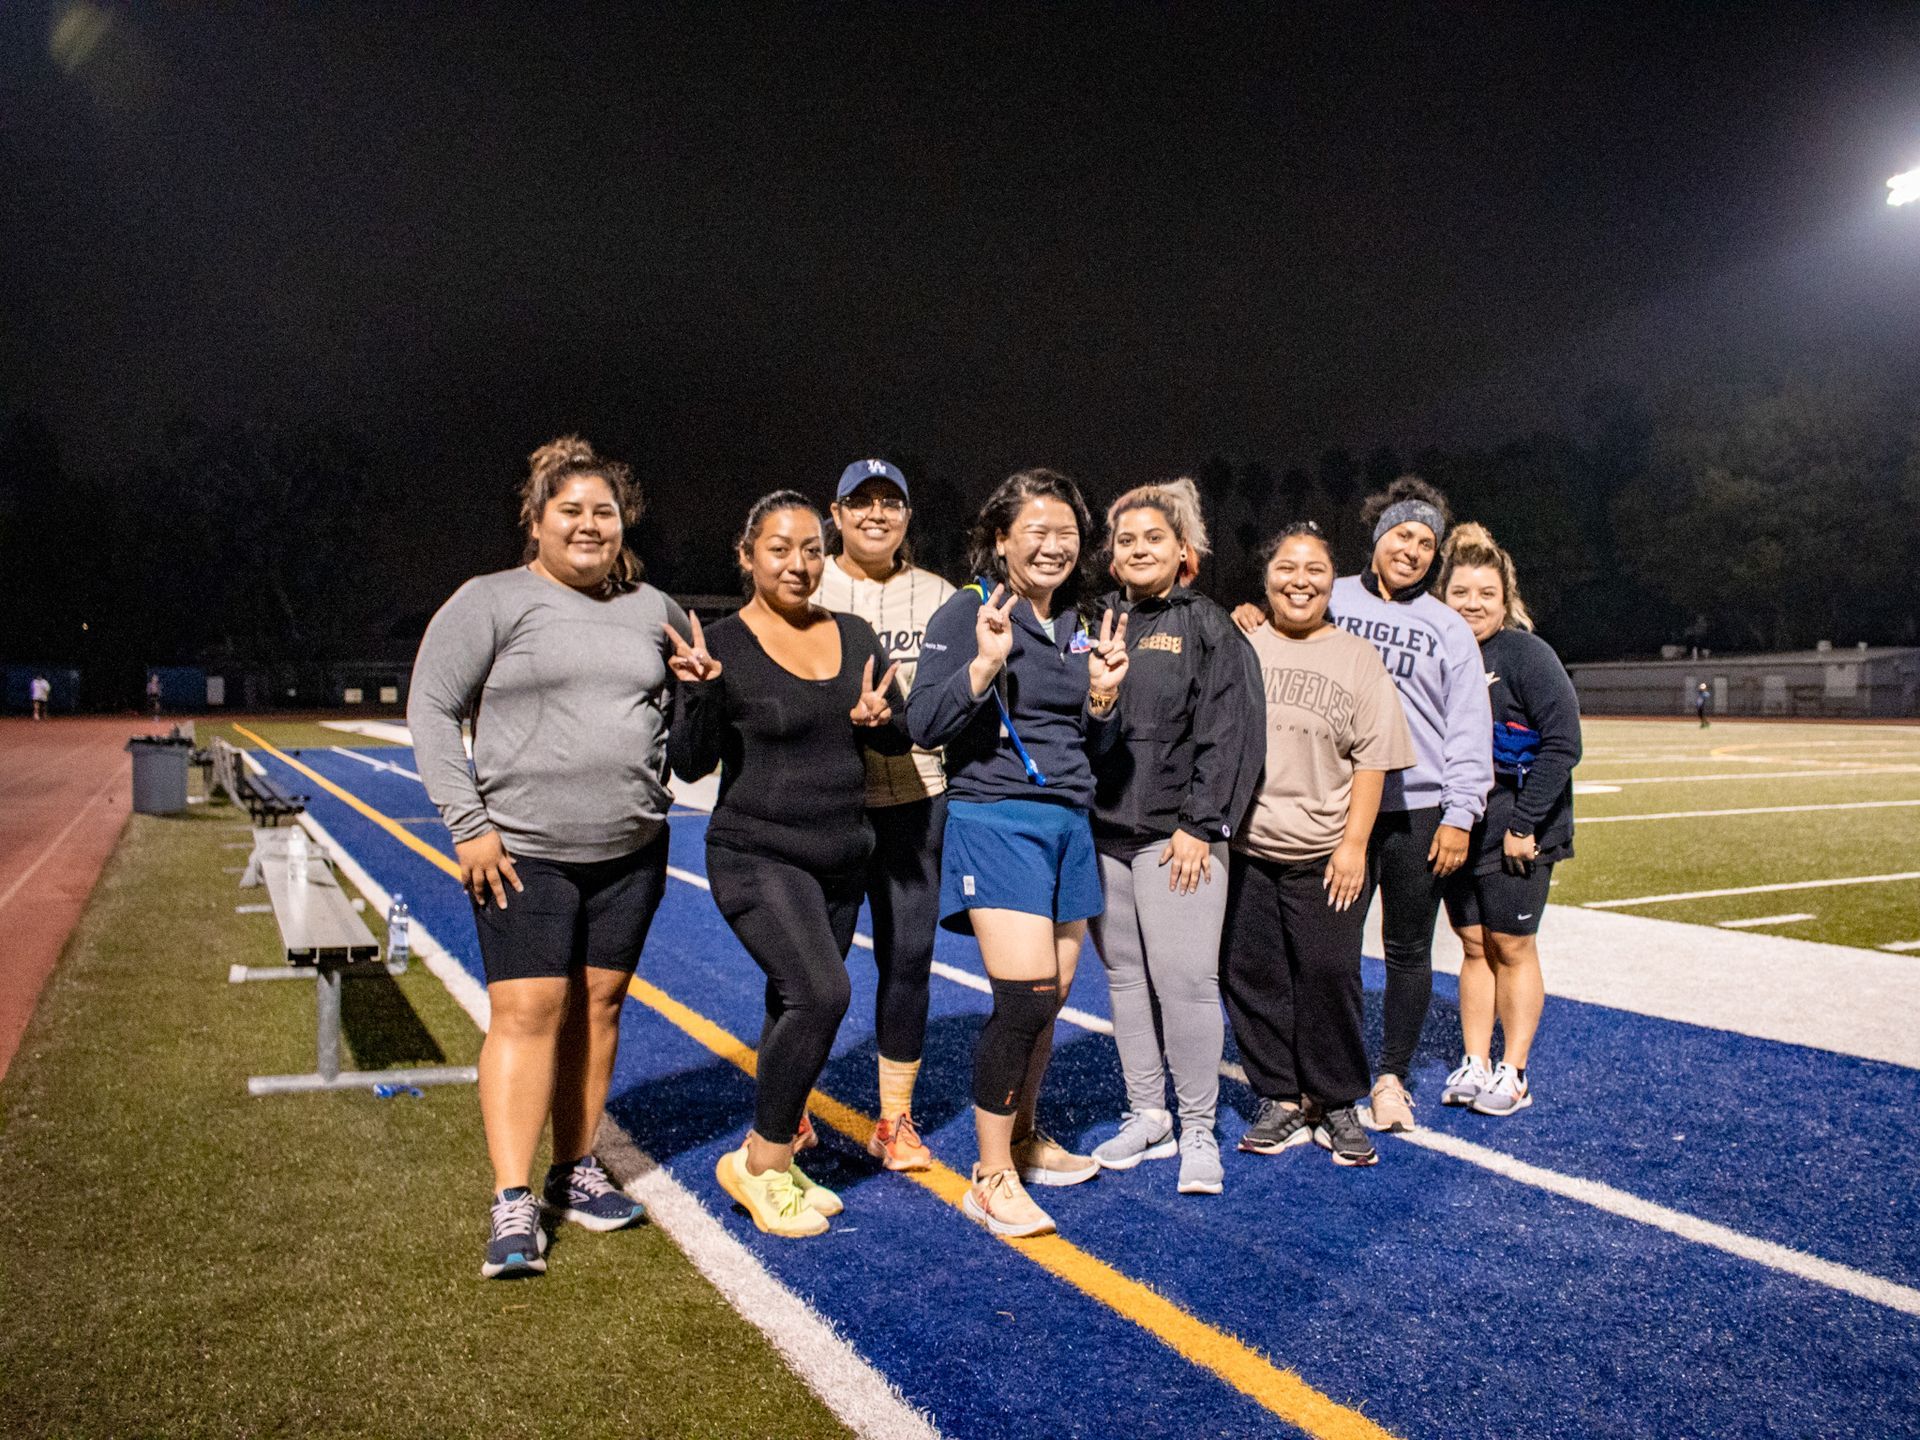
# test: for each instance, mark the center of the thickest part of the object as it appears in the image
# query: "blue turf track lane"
(1604, 1327)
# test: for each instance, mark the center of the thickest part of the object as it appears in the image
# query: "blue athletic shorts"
(1034, 856)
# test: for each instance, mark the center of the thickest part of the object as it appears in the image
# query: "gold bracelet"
(1102, 704)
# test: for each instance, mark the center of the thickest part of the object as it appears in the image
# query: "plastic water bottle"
(399, 949)
(297, 853)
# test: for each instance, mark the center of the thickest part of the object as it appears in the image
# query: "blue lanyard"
(1006, 720)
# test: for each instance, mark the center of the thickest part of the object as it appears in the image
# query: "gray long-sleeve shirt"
(569, 698)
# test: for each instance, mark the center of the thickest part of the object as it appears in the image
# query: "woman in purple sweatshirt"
(1428, 810)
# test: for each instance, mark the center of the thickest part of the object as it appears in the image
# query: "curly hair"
(1473, 544)
(1179, 501)
(1003, 507)
(569, 457)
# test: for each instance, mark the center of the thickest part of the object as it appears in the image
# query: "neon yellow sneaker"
(815, 1195)
(772, 1201)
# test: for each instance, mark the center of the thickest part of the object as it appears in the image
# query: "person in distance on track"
(1015, 687)
(1496, 899)
(1428, 809)
(565, 859)
(786, 697)
(869, 573)
(1167, 797)
(1298, 880)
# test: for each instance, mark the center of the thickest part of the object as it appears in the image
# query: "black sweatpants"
(1409, 905)
(797, 927)
(903, 887)
(1290, 972)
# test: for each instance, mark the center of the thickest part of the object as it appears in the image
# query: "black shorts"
(1505, 904)
(573, 915)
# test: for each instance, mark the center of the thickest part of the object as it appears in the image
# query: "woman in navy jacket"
(1167, 798)
(1016, 689)
(1496, 899)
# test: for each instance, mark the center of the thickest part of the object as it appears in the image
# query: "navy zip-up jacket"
(1044, 685)
(1195, 738)
(1527, 684)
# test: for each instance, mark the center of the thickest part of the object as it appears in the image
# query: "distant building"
(1868, 681)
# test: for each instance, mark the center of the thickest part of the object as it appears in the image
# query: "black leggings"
(797, 926)
(1409, 905)
(1290, 972)
(903, 887)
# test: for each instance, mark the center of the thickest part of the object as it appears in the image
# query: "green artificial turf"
(183, 1259)
(1661, 768)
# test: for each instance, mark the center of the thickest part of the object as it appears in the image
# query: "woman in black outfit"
(783, 696)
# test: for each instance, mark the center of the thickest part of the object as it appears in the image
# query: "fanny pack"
(1515, 748)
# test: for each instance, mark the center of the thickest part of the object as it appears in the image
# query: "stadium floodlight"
(1904, 189)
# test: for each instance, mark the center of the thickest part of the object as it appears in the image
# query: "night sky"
(741, 245)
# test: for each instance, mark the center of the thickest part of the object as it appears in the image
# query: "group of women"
(1016, 759)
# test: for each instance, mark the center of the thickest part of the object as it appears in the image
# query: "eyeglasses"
(886, 504)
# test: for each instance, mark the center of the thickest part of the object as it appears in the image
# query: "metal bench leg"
(327, 1030)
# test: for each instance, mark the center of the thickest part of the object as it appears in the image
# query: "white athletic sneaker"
(1507, 1094)
(1144, 1135)
(1468, 1080)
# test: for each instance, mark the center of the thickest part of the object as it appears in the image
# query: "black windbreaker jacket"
(1193, 731)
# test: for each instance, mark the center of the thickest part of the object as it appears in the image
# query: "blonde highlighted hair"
(549, 469)
(1179, 501)
(1473, 544)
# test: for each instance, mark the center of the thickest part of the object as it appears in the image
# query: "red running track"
(66, 788)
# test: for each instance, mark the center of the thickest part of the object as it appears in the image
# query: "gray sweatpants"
(1162, 953)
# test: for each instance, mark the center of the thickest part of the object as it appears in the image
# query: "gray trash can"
(159, 774)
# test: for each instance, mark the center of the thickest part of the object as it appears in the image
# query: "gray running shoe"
(1200, 1172)
(1339, 1133)
(1469, 1078)
(1506, 1095)
(1279, 1126)
(1144, 1135)
(584, 1193)
(518, 1244)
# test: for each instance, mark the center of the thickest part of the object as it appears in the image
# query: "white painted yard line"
(1751, 810)
(1587, 1192)
(1763, 775)
(1629, 1206)
(1901, 947)
(376, 764)
(1675, 1222)
(372, 729)
(1764, 920)
(860, 1395)
(1753, 890)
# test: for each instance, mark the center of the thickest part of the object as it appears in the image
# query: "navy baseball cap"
(861, 471)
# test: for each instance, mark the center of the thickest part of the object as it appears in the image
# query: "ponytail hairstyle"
(757, 519)
(1179, 501)
(1286, 532)
(549, 469)
(1003, 507)
(1472, 544)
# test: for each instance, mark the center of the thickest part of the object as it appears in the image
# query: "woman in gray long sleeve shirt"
(559, 825)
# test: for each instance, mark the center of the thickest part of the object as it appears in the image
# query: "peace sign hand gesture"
(691, 662)
(872, 707)
(993, 627)
(1107, 661)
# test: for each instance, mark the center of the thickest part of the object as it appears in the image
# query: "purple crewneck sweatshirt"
(1435, 663)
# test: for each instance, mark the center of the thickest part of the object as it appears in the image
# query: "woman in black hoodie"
(1166, 800)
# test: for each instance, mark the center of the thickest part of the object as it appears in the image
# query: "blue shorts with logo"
(1035, 856)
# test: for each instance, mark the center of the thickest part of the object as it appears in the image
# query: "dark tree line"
(1757, 518)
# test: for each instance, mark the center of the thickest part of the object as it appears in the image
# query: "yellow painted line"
(1275, 1388)
(393, 827)
(1279, 1390)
